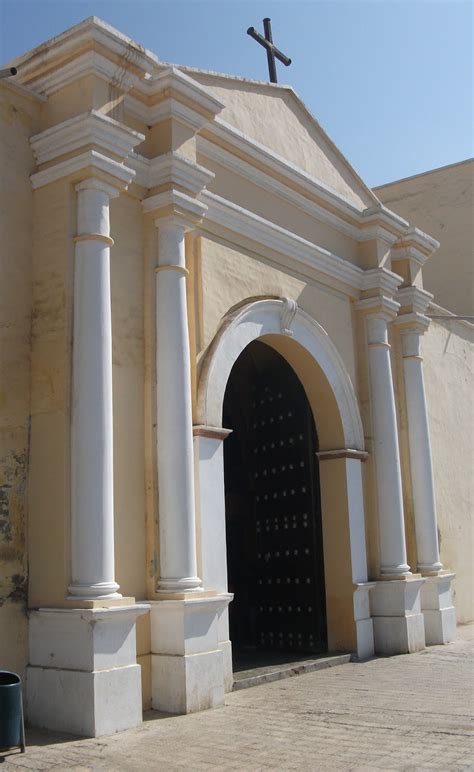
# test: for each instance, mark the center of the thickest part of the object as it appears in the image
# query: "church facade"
(216, 436)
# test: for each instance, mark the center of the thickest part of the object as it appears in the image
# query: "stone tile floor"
(399, 713)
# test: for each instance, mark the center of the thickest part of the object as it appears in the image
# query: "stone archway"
(307, 347)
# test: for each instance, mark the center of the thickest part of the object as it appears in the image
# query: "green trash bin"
(12, 733)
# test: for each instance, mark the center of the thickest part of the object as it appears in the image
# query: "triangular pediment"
(275, 117)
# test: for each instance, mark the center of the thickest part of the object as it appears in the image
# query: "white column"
(393, 558)
(92, 531)
(420, 454)
(177, 529)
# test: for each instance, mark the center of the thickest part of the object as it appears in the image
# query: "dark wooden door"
(275, 553)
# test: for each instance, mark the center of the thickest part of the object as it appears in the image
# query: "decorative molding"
(414, 298)
(174, 203)
(177, 82)
(379, 307)
(304, 256)
(288, 313)
(222, 131)
(211, 432)
(332, 455)
(96, 162)
(172, 267)
(268, 183)
(94, 237)
(92, 128)
(361, 224)
(88, 63)
(175, 169)
(381, 279)
(32, 66)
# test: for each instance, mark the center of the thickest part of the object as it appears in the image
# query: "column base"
(397, 618)
(438, 610)
(188, 672)
(83, 677)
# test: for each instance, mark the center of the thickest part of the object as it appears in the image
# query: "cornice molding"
(315, 197)
(174, 81)
(306, 257)
(88, 63)
(222, 131)
(97, 163)
(268, 183)
(92, 128)
(415, 246)
(44, 60)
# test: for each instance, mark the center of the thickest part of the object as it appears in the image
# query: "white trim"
(414, 297)
(221, 130)
(170, 168)
(306, 257)
(267, 182)
(93, 159)
(382, 279)
(92, 128)
(263, 317)
(181, 84)
(90, 62)
(180, 202)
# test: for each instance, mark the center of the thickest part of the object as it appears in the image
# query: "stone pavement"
(400, 713)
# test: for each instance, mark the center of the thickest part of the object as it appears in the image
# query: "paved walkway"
(401, 713)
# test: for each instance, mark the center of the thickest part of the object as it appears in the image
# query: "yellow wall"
(19, 117)
(448, 366)
(441, 203)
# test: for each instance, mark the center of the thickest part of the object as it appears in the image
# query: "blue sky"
(391, 82)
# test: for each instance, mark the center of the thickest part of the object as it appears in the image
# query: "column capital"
(413, 304)
(91, 141)
(96, 183)
(378, 307)
(173, 206)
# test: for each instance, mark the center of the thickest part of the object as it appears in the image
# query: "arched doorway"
(273, 511)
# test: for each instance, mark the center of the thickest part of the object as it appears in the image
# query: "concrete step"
(264, 675)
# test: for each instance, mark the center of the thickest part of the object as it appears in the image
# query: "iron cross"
(272, 51)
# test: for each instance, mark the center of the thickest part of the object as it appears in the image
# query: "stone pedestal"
(438, 610)
(83, 677)
(397, 617)
(363, 621)
(187, 659)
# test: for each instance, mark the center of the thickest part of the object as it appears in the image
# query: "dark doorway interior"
(273, 513)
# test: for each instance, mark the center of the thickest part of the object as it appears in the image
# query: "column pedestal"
(83, 676)
(438, 609)
(397, 617)
(187, 660)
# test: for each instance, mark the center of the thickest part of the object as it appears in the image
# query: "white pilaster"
(92, 530)
(436, 600)
(177, 528)
(424, 505)
(394, 601)
(393, 558)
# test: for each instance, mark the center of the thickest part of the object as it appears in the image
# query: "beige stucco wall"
(18, 120)
(441, 203)
(448, 352)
